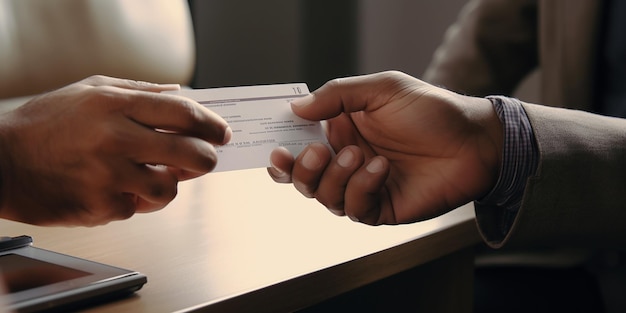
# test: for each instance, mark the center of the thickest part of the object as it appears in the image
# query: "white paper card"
(261, 120)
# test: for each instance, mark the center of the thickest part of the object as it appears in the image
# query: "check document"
(261, 120)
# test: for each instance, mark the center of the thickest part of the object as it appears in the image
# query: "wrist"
(490, 138)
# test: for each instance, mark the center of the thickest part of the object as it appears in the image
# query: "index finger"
(351, 94)
(176, 114)
(101, 80)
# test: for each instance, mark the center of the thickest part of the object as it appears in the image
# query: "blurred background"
(216, 43)
(272, 41)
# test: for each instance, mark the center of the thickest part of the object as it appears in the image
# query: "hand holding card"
(261, 120)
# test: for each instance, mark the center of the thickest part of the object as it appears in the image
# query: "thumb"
(351, 94)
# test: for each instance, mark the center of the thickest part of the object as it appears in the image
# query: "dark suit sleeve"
(578, 195)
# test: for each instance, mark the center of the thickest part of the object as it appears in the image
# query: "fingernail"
(278, 171)
(346, 158)
(375, 166)
(310, 160)
(304, 101)
(228, 134)
(352, 218)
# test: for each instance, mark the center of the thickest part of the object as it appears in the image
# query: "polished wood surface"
(237, 241)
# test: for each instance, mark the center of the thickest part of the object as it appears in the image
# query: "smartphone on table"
(35, 280)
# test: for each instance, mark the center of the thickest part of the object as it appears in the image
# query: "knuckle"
(166, 192)
(393, 74)
(94, 79)
(125, 212)
(103, 97)
(125, 207)
(205, 154)
(199, 154)
(107, 207)
(335, 83)
(187, 114)
(112, 141)
(191, 113)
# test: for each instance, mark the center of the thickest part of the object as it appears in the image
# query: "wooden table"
(238, 242)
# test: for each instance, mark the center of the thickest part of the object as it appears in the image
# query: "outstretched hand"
(102, 149)
(405, 150)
